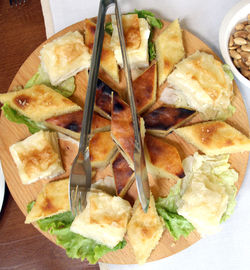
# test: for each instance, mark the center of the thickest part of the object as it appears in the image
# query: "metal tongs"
(80, 176)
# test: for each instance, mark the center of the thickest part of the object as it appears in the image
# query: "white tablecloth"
(229, 249)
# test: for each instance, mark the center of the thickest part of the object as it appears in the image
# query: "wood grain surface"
(160, 187)
(22, 246)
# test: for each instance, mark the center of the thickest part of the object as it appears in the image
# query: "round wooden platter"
(23, 194)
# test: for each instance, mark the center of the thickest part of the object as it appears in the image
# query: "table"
(22, 246)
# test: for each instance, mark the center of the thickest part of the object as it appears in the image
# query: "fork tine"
(77, 203)
(73, 200)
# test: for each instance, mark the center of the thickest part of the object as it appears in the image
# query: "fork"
(17, 2)
(80, 175)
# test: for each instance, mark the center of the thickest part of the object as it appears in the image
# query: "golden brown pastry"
(52, 200)
(39, 102)
(144, 88)
(169, 50)
(136, 31)
(162, 159)
(108, 61)
(204, 84)
(215, 138)
(123, 174)
(104, 219)
(122, 130)
(144, 230)
(64, 57)
(37, 157)
(101, 149)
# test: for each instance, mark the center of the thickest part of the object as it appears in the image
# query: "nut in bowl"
(234, 39)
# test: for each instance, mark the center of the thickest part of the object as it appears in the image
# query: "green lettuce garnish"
(153, 22)
(109, 28)
(167, 209)
(228, 71)
(15, 116)
(150, 17)
(65, 88)
(30, 206)
(151, 48)
(76, 246)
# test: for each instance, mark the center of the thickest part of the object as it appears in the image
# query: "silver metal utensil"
(80, 175)
(139, 159)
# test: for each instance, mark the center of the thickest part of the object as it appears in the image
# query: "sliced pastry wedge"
(71, 123)
(164, 120)
(144, 230)
(123, 174)
(52, 200)
(64, 57)
(37, 157)
(104, 219)
(162, 159)
(39, 102)
(122, 130)
(215, 138)
(103, 99)
(204, 84)
(108, 61)
(144, 88)
(136, 33)
(169, 50)
(102, 149)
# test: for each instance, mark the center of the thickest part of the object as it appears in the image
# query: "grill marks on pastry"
(163, 118)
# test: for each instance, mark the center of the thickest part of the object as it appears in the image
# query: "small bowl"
(237, 14)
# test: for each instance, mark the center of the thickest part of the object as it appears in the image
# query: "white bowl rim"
(236, 14)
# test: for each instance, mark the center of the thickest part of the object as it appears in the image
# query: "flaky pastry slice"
(104, 219)
(39, 102)
(122, 130)
(162, 159)
(108, 61)
(201, 80)
(144, 88)
(102, 149)
(136, 34)
(164, 120)
(144, 230)
(52, 200)
(71, 123)
(169, 50)
(215, 138)
(123, 174)
(37, 157)
(65, 56)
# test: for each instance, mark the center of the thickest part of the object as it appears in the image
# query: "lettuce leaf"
(65, 88)
(175, 223)
(167, 209)
(16, 117)
(76, 246)
(109, 28)
(228, 71)
(150, 17)
(151, 48)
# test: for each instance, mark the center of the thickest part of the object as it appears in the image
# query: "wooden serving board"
(23, 194)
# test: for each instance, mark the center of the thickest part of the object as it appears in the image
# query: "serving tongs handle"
(139, 159)
(93, 76)
(81, 172)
